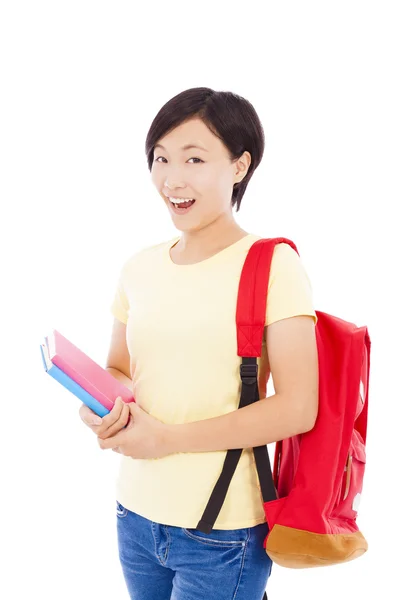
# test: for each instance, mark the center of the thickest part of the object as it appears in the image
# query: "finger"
(112, 417)
(118, 425)
(89, 417)
(113, 442)
(133, 407)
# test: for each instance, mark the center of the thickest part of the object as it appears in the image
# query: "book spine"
(91, 376)
(77, 390)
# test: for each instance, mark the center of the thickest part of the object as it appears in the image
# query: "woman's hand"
(144, 437)
(111, 423)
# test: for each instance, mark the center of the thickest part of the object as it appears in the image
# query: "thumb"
(134, 408)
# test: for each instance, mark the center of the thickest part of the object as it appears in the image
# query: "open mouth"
(182, 207)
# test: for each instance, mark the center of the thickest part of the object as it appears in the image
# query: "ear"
(242, 166)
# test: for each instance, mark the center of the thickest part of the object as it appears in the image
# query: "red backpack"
(311, 498)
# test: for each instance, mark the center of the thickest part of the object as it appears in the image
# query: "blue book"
(71, 385)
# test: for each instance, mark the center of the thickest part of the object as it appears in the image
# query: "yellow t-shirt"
(181, 336)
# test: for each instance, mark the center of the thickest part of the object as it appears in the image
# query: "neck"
(210, 239)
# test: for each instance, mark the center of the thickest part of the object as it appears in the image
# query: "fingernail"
(97, 421)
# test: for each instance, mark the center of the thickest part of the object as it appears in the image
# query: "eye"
(193, 158)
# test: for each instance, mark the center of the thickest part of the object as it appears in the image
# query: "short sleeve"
(120, 304)
(289, 289)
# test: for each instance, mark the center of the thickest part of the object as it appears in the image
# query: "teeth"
(179, 200)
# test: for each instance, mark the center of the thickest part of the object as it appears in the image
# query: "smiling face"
(204, 173)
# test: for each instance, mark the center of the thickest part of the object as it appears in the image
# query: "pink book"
(86, 372)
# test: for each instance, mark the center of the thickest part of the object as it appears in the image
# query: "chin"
(181, 226)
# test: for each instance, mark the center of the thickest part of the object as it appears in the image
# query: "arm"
(127, 381)
(293, 359)
(118, 357)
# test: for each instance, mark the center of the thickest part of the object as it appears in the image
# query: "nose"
(173, 180)
(173, 184)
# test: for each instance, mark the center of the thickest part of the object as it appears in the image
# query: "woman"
(174, 344)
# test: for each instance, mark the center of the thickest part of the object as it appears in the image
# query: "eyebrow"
(186, 147)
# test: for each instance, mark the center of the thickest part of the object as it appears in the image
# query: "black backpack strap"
(249, 394)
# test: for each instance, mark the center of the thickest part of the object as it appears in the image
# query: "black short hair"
(229, 116)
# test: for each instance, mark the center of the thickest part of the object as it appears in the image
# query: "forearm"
(266, 421)
(120, 376)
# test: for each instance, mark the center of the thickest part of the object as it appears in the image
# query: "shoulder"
(285, 253)
(148, 252)
(289, 288)
(282, 251)
(287, 268)
(145, 258)
(287, 263)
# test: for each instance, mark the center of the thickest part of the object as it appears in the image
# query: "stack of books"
(81, 375)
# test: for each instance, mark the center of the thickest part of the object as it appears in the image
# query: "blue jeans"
(163, 562)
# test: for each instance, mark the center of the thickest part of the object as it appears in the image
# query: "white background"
(81, 83)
